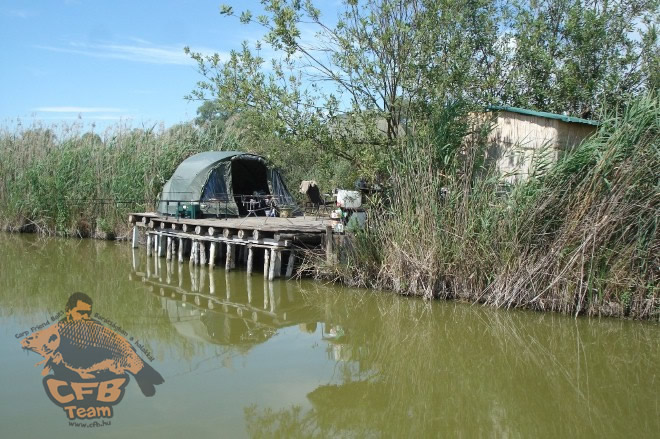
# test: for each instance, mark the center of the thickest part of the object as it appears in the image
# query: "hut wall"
(518, 140)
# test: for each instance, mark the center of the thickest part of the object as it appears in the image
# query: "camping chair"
(315, 202)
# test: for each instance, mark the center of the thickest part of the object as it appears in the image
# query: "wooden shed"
(520, 136)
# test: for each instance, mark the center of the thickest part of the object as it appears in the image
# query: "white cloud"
(18, 13)
(139, 51)
(64, 109)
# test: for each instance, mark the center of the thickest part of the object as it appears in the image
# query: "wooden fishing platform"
(231, 240)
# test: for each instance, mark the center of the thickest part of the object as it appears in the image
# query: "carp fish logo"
(90, 363)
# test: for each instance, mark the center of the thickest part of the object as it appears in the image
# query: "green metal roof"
(543, 114)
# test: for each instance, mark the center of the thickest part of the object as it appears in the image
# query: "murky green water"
(243, 357)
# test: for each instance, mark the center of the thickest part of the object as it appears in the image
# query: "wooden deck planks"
(266, 224)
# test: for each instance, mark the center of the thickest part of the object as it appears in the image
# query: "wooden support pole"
(196, 247)
(241, 250)
(212, 254)
(229, 261)
(329, 247)
(202, 253)
(155, 239)
(192, 252)
(149, 247)
(134, 241)
(250, 259)
(211, 282)
(275, 264)
(162, 246)
(168, 255)
(180, 250)
(266, 262)
(256, 235)
(289, 265)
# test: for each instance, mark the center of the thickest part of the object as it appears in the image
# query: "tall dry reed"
(580, 237)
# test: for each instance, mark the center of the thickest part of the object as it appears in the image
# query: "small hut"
(219, 183)
(520, 136)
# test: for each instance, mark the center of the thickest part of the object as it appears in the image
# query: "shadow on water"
(399, 367)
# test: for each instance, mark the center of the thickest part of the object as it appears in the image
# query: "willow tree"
(582, 57)
(360, 82)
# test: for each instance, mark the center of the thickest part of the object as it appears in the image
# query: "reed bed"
(579, 237)
(59, 180)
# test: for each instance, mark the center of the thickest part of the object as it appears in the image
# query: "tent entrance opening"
(248, 177)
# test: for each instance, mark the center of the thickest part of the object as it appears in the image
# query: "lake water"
(242, 357)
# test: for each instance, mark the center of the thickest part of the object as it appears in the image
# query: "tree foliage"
(350, 88)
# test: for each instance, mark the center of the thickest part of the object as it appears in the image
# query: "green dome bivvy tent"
(218, 181)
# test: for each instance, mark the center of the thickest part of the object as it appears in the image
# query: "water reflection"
(248, 313)
(264, 359)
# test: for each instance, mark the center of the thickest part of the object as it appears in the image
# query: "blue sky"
(102, 62)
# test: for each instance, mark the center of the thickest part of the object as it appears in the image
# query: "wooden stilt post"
(149, 247)
(329, 245)
(196, 248)
(168, 254)
(239, 250)
(135, 237)
(180, 275)
(266, 262)
(229, 261)
(162, 246)
(156, 240)
(212, 254)
(275, 264)
(289, 265)
(250, 260)
(221, 251)
(202, 253)
(211, 282)
(193, 250)
(181, 250)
